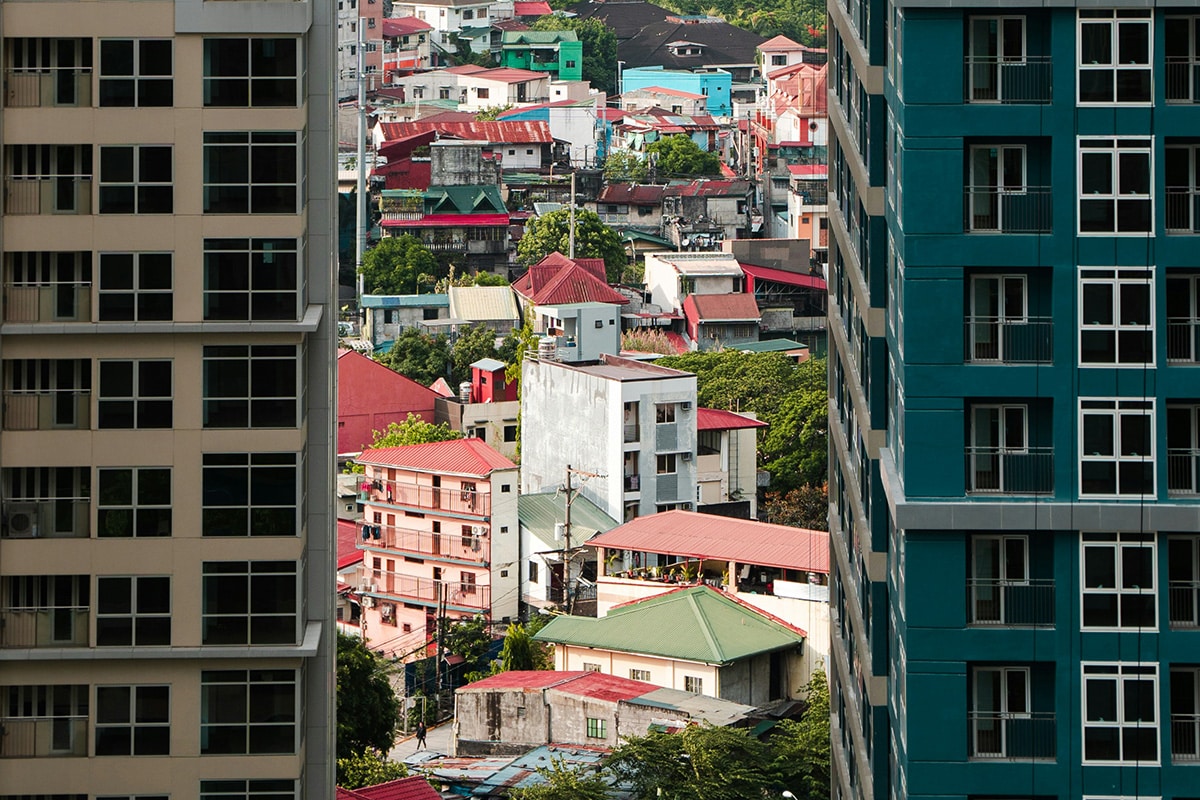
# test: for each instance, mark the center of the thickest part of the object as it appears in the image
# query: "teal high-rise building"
(1014, 320)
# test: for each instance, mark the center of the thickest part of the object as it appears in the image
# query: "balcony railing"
(631, 433)
(1012, 736)
(1183, 340)
(58, 194)
(1000, 80)
(1009, 604)
(65, 517)
(1183, 472)
(49, 86)
(55, 302)
(458, 594)
(433, 498)
(1185, 737)
(1183, 210)
(464, 547)
(36, 737)
(996, 340)
(1183, 80)
(60, 626)
(997, 470)
(994, 209)
(1184, 604)
(65, 409)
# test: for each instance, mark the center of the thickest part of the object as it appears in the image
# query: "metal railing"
(631, 433)
(1183, 210)
(1183, 472)
(1029, 340)
(45, 518)
(62, 409)
(433, 498)
(57, 626)
(462, 547)
(1000, 80)
(38, 87)
(458, 594)
(1183, 340)
(994, 209)
(53, 194)
(51, 302)
(1183, 80)
(1183, 604)
(1185, 737)
(1013, 736)
(997, 470)
(36, 737)
(992, 602)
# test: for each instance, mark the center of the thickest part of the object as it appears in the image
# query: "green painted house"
(558, 52)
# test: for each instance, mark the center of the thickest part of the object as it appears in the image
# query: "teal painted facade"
(559, 53)
(714, 84)
(1014, 313)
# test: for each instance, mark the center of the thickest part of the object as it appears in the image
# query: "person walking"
(421, 735)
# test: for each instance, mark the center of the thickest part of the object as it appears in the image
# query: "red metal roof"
(809, 170)
(671, 92)
(497, 132)
(715, 419)
(411, 788)
(347, 544)
(783, 276)
(531, 8)
(707, 188)
(687, 533)
(634, 194)
(780, 42)
(456, 457)
(595, 685)
(447, 220)
(400, 26)
(721, 308)
(556, 280)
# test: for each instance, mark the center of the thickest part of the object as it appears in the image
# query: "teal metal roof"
(698, 623)
(539, 513)
(513, 38)
(406, 301)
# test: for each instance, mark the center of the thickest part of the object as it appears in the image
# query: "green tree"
(368, 769)
(679, 157)
(469, 639)
(801, 747)
(517, 652)
(421, 356)
(393, 265)
(490, 279)
(473, 343)
(368, 711)
(413, 430)
(563, 783)
(491, 113)
(622, 166)
(703, 762)
(803, 507)
(795, 447)
(599, 47)
(593, 239)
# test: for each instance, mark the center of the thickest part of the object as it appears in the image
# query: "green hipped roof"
(464, 200)
(539, 513)
(694, 624)
(537, 37)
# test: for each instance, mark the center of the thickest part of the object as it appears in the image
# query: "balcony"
(633, 483)
(998, 603)
(1184, 604)
(996, 470)
(53, 194)
(48, 87)
(430, 498)
(456, 594)
(45, 518)
(474, 547)
(1185, 738)
(1000, 80)
(39, 737)
(64, 409)
(53, 302)
(993, 340)
(1183, 79)
(1183, 472)
(1183, 210)
(631, 433)
(995, 209)
(1013, 736)
(59, 626)
(1183, 340)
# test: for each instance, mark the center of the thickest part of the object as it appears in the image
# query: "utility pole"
(571, 238)
(571, 495)
(360, 193)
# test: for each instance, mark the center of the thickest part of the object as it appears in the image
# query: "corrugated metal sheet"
(484, 304)
(457, 457)
(687, 533)
(715, 419)
(412, 788)
(721, 308)
(539, 513)
(783, 276)
(497, 132)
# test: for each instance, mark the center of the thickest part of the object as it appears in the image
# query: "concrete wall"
(462, 164)
(665, 672)
(505, 533)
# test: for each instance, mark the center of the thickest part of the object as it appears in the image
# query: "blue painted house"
(715, 84)
(1015, 382)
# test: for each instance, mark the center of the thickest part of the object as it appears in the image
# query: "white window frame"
(693, 684)
(250, 78)
(1116, 408)
(250, 463)
(135, 503)
(134, 614)
(1183, 63)
(136, 291)
(1182, 193)
(136, 183)
(254, 789)
(246, 723)
(133, 723)
(251, 142)
(253, 356)
(135, 397)
(666, 464)
(1120, 672)
(137, 76)
(1116, 278)
(1002, 714)
(1114, 147)
(1118, 544)
(1115, 20)
(257, 253)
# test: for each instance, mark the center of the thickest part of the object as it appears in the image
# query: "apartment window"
(1120, 704)
(779, 61)
(1183, 186)
(250, 494)
(248, 789)
(251, 279)
(590, 667)
(664, 413)
(533, 571)
(133, 720)
(135, 394)
(999, 694)
(1114, 185)
(443, 94)
(998, 303)
(998, 564)
(482, 94)
(136, 72)
(468, 14)
(370, 24)
(133, 502)
(248, 711)
(1115, 47)
(665, 464)
(1117, 447)
(639, 675)
(136, 179)
(1183, 565)
(1119, 580)
(693, 683)
(1182, 38)
(596, 728)
(256, 73)
(249, 602)
(133, 611)
(252, 172)
(510, 433)
(135, 287)
(250, 386)
(1116, 316)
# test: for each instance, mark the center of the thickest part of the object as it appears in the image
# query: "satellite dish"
(686, 242)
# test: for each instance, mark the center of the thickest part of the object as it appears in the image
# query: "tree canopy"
(368, 711)
(395, 264)
(599, 47)
(414, 430)
(563, 783)
(472, 344)
(421, 356)
(593, 239)
(622, 166)
(368, 769)
(679, 157)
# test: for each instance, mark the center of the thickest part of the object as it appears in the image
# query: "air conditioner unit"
(686, 405)
(22, 520)
(478, 530)
(685, 456)
(368, 602)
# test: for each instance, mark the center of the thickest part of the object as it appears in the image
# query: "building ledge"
(306, 649)
(307, 324)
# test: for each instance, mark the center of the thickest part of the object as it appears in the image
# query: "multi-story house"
(439, 535)
(558, 53)
(167, 330)
(671, 277)
(447, 17)
(359, 25)
(1013, 515)
(406, 46)
(701, 214)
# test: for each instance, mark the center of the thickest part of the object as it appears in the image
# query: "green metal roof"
(694, 624)
(464, 200)
(406, 301)
(539, 512)
(770, 346)
(510, 38)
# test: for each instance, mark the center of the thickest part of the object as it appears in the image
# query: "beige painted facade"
(166, 536)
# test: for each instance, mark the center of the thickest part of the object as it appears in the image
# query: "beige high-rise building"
(166, 352)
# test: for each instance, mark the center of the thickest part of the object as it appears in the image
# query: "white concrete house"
(671, 277)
